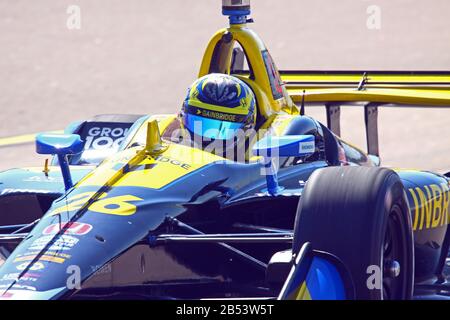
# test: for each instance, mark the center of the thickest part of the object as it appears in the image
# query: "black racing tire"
(361, 215)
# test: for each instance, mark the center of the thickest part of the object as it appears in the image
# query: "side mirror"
(60, 145)
(285, 146)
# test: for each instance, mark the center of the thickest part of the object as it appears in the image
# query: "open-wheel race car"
(125, 210)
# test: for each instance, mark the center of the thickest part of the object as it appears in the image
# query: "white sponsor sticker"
(64, 242)
(105, 138)
(31, 277)
(307, 147)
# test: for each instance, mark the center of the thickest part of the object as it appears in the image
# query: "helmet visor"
(211, 128)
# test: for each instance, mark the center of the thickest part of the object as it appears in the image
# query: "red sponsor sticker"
(73, 228)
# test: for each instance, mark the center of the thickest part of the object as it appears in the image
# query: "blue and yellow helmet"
(217, 106)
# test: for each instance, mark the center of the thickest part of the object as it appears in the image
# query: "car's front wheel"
(361, 215)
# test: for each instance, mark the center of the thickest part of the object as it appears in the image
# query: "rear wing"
(370, 90)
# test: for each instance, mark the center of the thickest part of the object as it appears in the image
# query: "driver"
(219, 115)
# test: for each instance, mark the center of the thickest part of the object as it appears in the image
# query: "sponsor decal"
(27, 277)
(274, 76)
(101, 138)
(173, 162)
(99, 270)
(63, 242)
(72, 228)
(59, 254)
(431, 206)
(49, 253)
(10, 277)
(307, 146)
(120, 205)
(35, 267)
(217, 115)
(42, 258)
(230, 117)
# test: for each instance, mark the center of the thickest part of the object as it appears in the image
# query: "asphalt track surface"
(139, 56)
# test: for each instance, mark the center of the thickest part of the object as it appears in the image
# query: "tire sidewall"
(356, 240)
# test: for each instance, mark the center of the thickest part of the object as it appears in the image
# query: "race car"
(127, 211)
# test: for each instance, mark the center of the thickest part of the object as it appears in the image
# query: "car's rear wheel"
(361, 215)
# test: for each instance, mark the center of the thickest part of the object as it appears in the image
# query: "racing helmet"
(217, 107)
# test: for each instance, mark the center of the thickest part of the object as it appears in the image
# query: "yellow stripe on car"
(21, 139)
(153, 172)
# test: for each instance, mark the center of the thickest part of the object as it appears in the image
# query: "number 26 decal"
(120, 205)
